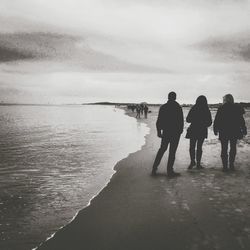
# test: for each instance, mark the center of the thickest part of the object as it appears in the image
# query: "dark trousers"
(194, 142)
(173, 142)
(224, 151)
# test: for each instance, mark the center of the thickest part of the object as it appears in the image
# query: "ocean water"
(53, 160)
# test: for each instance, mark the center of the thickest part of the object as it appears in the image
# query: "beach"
(201, 209)
(79, 160)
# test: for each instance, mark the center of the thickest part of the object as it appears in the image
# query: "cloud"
(8, 55)
(66, 49)
(40, 45)
(200, 42)
(153, 33)
(230, 48)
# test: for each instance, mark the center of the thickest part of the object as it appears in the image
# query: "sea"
(53, 161)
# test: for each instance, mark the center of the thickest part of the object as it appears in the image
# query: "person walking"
(145, 111)
(169, 128)
(230, 124)
(142, 108)
(138, 111)
(200, 118)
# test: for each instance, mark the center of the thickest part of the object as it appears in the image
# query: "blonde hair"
(228, 98)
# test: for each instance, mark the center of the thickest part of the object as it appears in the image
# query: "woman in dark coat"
(200, 118)
(230, 124)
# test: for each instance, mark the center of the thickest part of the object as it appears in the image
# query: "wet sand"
(201, 209)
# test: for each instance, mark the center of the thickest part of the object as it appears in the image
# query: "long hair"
(228, 99)
(201, 107)
(201, 102)
(200, 112)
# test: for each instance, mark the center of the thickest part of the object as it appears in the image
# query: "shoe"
(231, 166)
(199, 166)
(224, 169)
(191, 165)
(173, 174)
(153, 173)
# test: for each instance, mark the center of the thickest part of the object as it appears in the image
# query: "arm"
(159, 123)
(189, 116)
(242, 120)
(243, 125)
(181, 120)
(209, 122)
(216, 122)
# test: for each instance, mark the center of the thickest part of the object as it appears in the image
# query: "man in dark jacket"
(230, 124)
(169, 127)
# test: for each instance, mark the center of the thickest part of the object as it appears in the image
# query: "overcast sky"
(75, 51)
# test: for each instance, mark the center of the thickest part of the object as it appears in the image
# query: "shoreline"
(71, 161)
(199, 210)
(97, 194)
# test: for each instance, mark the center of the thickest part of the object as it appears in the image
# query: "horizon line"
(100, 103)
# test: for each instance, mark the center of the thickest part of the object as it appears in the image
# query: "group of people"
(140, 109)
(229, 124)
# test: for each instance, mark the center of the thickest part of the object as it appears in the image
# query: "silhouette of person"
(230, 124)
(138, 111)
(142, 108)
(200, 118)
(133, 108)
(169, 128)
(145, 111)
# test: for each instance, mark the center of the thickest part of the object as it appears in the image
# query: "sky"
(78, 51)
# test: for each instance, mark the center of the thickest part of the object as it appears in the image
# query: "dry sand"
(201, 209)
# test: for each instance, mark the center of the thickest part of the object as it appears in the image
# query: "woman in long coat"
(230, 124)
(200, 118)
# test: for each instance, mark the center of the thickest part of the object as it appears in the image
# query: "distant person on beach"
(200, 118)
(169, 128)
(138, 111)
(142, 108)
(145, 111)
(133, 108)
(230, 124)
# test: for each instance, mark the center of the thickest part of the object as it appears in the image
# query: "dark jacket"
(170, 119)
(229, 122)
(200, 119)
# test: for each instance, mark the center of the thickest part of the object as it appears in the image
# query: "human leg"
(199, 152)
(232, 153)
(192, 145)
(224, 154)
(174, 141)
(159, 155)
